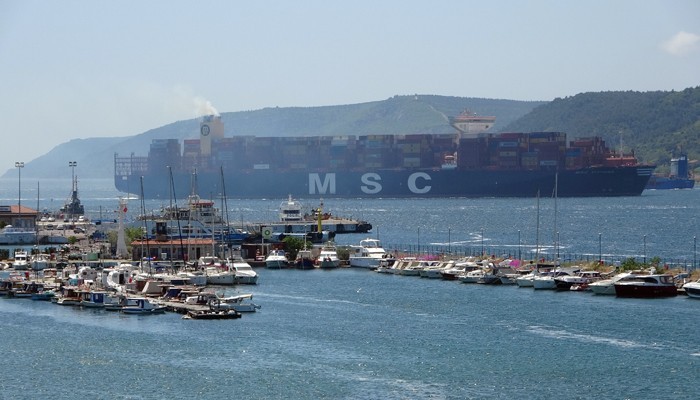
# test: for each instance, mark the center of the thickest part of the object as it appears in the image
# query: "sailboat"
(528, 279)
(547, 281)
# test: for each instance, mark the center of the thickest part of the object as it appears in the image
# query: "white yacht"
(435, 269)
(196, 278)
(141, 306)
(472, 276)
(243, 271)
(21, 261)
(290, 211)
(544, 282)
(218, 274)
(368, 254)
(276, 259)
(607, 286)
(692, 289)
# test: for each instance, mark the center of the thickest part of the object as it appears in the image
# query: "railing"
(438, 251)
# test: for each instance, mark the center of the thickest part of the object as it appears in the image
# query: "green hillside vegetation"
(397, 115)
(655, 125)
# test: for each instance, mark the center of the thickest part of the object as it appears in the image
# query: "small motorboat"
(141, 306)
(647, 286)
(692, 289)
(211, 314)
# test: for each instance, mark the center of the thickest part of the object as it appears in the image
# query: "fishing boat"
(93, 299)
(328, 257)
(44, 295)
(114, 301)
(304, 260)
(27, 290)
(68, 296)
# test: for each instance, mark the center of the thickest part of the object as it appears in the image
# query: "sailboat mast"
(537, 235)
(145, 225)
(224, 205)
(556, 213)
(177, 211)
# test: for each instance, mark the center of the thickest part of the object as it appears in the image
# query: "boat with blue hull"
(680, 176)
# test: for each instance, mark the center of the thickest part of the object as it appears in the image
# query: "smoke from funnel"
(203, 107)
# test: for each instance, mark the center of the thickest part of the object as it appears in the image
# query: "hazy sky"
(79, 69)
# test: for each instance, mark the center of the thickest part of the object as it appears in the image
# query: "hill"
(655, 125)
(397, 115)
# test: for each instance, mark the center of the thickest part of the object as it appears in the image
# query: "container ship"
(680, 176)
(469, 162)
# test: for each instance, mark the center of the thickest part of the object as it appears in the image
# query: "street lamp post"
(19, 165)
(418, 252)
(449, 240)
(482, 242)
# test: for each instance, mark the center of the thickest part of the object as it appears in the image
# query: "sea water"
(659, 223)
(357, 334)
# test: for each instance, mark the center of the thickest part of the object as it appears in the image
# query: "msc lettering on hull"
(370, 183)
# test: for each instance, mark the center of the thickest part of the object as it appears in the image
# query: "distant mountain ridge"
(655, 125)
(397, 115)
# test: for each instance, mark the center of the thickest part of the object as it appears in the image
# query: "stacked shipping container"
(425, 151)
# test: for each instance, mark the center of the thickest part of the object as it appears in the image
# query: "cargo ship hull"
(679, 177)
(395, 183)
(467, 163)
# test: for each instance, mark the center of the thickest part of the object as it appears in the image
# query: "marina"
(390, 335)
(350, 201)
(638, 337)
